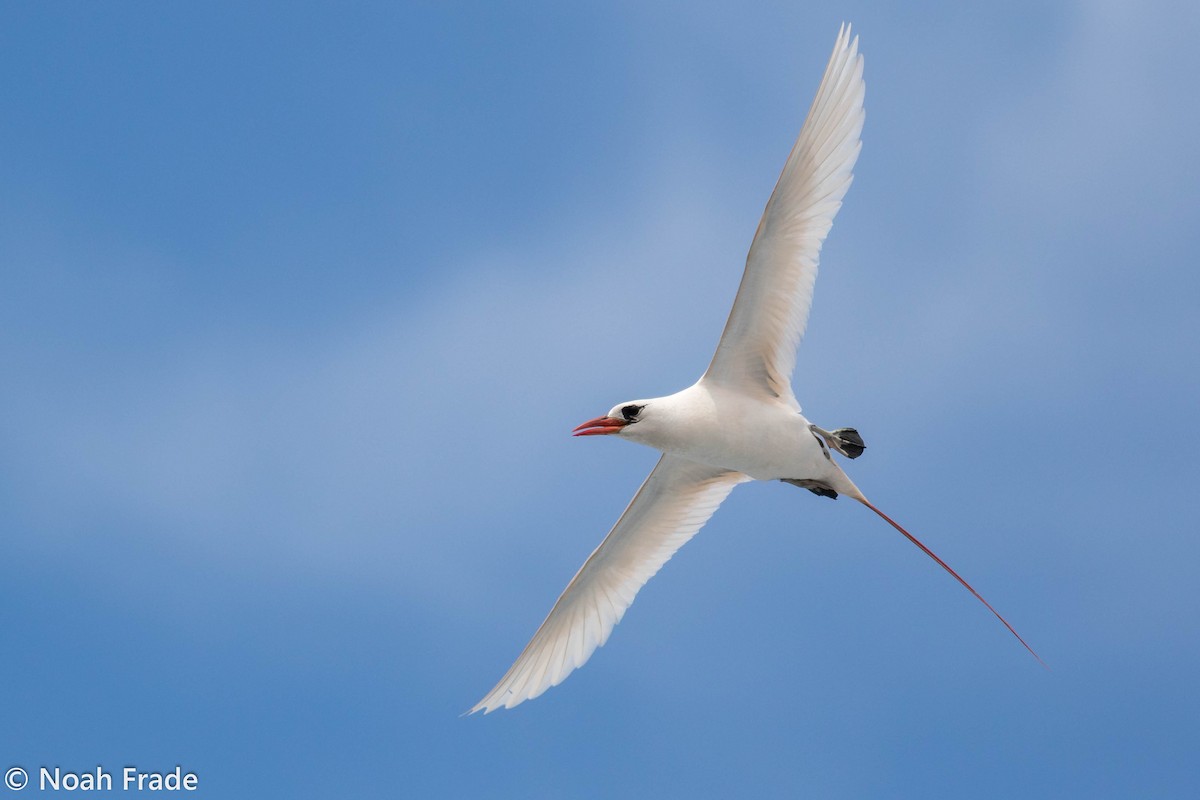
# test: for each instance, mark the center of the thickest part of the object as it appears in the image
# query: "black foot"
(816, 487)
(847, 442)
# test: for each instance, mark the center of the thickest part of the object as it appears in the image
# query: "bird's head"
(621, 419)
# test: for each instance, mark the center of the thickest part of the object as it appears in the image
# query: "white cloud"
(419, 417)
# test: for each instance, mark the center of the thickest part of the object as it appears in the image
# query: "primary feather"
(675, 501)
(758, 346)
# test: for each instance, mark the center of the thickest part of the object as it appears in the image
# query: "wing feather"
(757, 351)
(675, 501)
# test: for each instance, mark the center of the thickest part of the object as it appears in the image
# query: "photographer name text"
(130, 779)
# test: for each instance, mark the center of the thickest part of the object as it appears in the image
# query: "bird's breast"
(763, 440)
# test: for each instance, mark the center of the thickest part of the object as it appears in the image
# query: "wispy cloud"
(416, 416)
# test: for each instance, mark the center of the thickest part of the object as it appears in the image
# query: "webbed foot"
(845, 440)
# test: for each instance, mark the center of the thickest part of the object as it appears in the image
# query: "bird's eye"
(630, 412)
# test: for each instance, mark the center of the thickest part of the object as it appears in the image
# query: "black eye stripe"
(630, 412)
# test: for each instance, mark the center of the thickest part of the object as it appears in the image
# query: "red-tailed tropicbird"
(740, 421)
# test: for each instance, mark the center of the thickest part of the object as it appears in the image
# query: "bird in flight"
(740, 421)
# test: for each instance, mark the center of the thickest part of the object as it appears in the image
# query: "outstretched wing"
(675, 501)
(757, 351)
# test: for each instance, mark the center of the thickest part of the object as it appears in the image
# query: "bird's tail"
(857, 495)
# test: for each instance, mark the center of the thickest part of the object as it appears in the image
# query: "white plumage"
(740, 421)
(675, 501)
(758, 346)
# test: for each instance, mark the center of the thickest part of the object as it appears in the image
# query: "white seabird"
(740, 421)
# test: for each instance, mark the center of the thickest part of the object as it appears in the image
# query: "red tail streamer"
(957, 577)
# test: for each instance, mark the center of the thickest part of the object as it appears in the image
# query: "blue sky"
(299, 303)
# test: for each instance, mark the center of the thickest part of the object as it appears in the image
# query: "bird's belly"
(780, 448)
